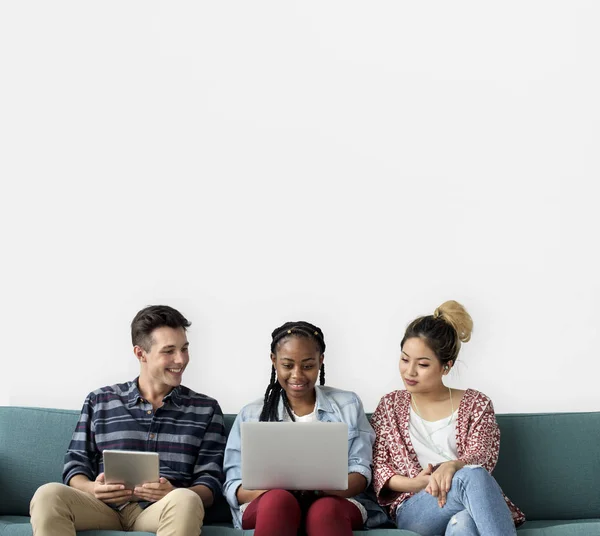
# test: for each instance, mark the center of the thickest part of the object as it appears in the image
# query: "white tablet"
(130, 467)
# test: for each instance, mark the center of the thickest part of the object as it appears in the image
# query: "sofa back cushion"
(549, 463)
(33, 442)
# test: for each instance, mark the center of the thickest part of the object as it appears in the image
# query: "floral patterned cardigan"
(477, 443)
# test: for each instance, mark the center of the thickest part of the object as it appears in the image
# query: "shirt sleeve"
(82, 455)
(208, 469)
(360, 447)
(233, 463)
(383, 469)
(482, 442)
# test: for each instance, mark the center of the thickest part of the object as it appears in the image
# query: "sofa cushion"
(20, 526)
(229, 419)
(33, 442)
(564, 527)
(549, 464)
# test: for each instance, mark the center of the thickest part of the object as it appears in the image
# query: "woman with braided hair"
(297, 353)
(436, 447)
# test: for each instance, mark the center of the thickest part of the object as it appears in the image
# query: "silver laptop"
(295, 456)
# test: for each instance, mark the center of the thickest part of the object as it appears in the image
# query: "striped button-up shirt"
(187, 431)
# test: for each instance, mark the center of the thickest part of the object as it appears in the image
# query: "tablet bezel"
(130, 467)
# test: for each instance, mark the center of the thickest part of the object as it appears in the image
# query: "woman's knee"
(326, 507)
(276, 512)
(332, 516)
(279, 498)
(474, 476)
(461, 524)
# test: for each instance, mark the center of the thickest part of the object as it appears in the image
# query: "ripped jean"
(474, 506)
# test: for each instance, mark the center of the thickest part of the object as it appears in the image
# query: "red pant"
(278, 513)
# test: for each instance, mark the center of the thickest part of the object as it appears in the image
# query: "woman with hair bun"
(435, 446)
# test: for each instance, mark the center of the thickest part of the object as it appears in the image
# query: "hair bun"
(456, 315)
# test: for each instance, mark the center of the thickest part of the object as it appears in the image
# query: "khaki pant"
(59, 510)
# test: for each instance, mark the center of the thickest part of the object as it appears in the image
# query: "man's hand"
(154, 491)
(441, 481)
(110, 493)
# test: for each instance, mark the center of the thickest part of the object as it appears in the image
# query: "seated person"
(436, 447)
(297, 352)
(152, 413)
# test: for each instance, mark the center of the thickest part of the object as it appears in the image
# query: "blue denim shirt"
(332, 405)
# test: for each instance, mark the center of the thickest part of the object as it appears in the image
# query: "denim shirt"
(332, 405)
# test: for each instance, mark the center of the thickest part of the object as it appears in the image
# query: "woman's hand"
(357, 483)
(440, 481)
(405, 484)
(247, 496)
(424, 476)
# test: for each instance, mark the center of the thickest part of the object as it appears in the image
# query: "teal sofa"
(549, 466)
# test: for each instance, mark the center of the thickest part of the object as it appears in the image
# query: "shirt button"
(151, 436)
(149, 412)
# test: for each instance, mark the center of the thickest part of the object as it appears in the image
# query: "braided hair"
(274, 390)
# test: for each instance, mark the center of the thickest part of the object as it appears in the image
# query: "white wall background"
(353, 164)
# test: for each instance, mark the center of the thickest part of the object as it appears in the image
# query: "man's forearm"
(82, 483)
(205, 494)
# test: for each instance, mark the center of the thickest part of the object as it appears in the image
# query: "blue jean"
(474, 506)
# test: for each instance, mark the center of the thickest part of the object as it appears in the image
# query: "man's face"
(163, 364)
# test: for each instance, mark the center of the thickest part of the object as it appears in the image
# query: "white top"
(311, 417)
(434, 442)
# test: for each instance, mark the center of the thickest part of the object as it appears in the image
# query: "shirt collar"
(323, 402)
(134, 393)
(174, 396)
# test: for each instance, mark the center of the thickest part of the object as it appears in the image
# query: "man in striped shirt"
(153, 413)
